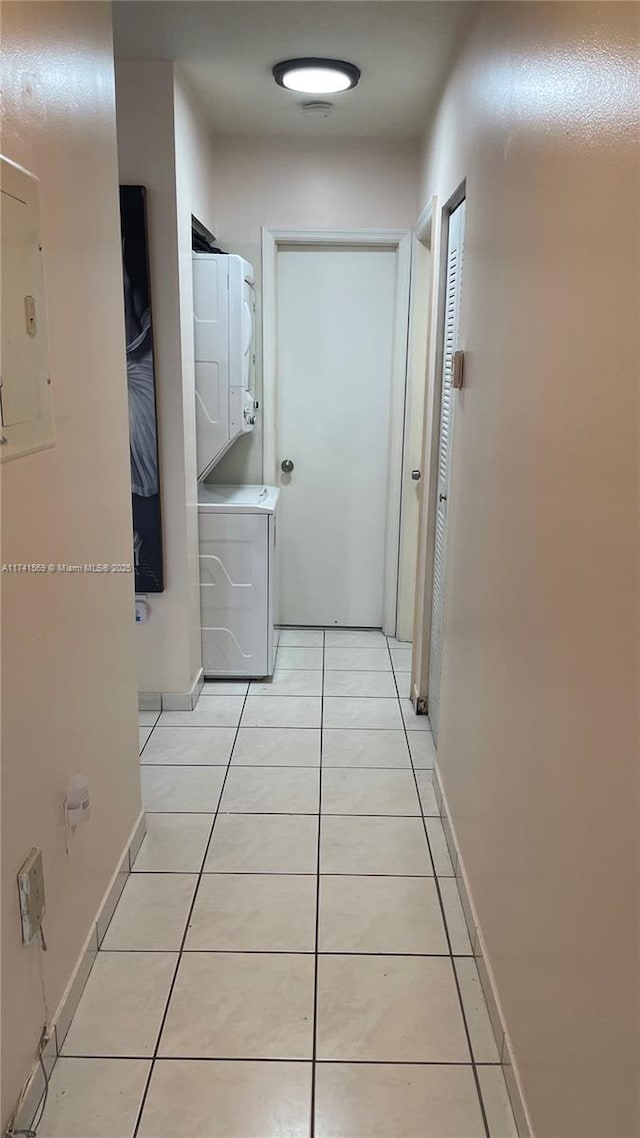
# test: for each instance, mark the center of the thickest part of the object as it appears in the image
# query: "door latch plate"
(458, 370)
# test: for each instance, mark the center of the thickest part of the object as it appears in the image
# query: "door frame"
(399, 240)
(428, 231)
(432, 230)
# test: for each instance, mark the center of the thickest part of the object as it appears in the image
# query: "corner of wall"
(150, 126)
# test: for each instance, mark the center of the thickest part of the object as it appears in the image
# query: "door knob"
(286, 466)
(442, 497)
(415, 474)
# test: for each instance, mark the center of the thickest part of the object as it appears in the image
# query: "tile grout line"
(186, 930)
(284, 873)
(444, 921)
(153, 727)
(292, 951)
(280, 767)
(314, 1052)
(288, 726)
(285, 1059)
(300, 814)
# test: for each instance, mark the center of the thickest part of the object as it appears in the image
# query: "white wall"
(68, 647)
(293, 184)
(195, 173)
(538, 726)
(414, 430)
(164, 144)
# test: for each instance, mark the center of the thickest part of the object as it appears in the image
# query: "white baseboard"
(487, 980)
(172, 700)
(150, 701)
(61, 1021)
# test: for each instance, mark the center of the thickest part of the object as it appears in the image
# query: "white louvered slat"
(450, 346)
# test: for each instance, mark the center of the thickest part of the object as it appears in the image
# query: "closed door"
(447, 407)
(335, 317)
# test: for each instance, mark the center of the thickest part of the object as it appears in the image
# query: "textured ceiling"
(227, 49)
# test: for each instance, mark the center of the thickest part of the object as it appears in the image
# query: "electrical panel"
(26, 411)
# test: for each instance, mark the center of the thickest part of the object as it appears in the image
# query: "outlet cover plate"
(31, 892)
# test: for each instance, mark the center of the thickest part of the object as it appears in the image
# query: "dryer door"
(243, 411)
(211, 350)
(248, 337)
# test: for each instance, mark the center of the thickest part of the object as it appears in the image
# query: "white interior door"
(447, 405)
(334, 345)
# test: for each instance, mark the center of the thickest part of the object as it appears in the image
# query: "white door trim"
(401, 241)
(417, 398)
(431, 228)
(428, 230)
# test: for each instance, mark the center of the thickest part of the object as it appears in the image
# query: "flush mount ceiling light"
(313, 76)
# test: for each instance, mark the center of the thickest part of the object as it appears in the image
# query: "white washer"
(237, 526)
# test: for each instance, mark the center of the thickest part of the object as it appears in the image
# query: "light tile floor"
(289, 958)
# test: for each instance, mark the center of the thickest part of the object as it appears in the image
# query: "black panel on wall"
(141, 386)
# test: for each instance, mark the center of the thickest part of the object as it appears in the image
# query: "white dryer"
(237, 528)
(224, 308)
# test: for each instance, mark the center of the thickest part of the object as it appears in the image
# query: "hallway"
(283, 953)
(236, 991)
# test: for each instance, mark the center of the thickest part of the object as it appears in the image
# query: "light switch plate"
(31, 892)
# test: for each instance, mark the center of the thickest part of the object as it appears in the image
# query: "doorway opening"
(443, 233)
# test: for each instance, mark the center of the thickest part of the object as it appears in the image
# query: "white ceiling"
(228, 47)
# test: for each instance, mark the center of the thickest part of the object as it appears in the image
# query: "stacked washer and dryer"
(237, 524)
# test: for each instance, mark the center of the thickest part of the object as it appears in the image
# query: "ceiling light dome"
(311, 76)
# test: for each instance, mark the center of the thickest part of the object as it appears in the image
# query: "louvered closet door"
(451, 345)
